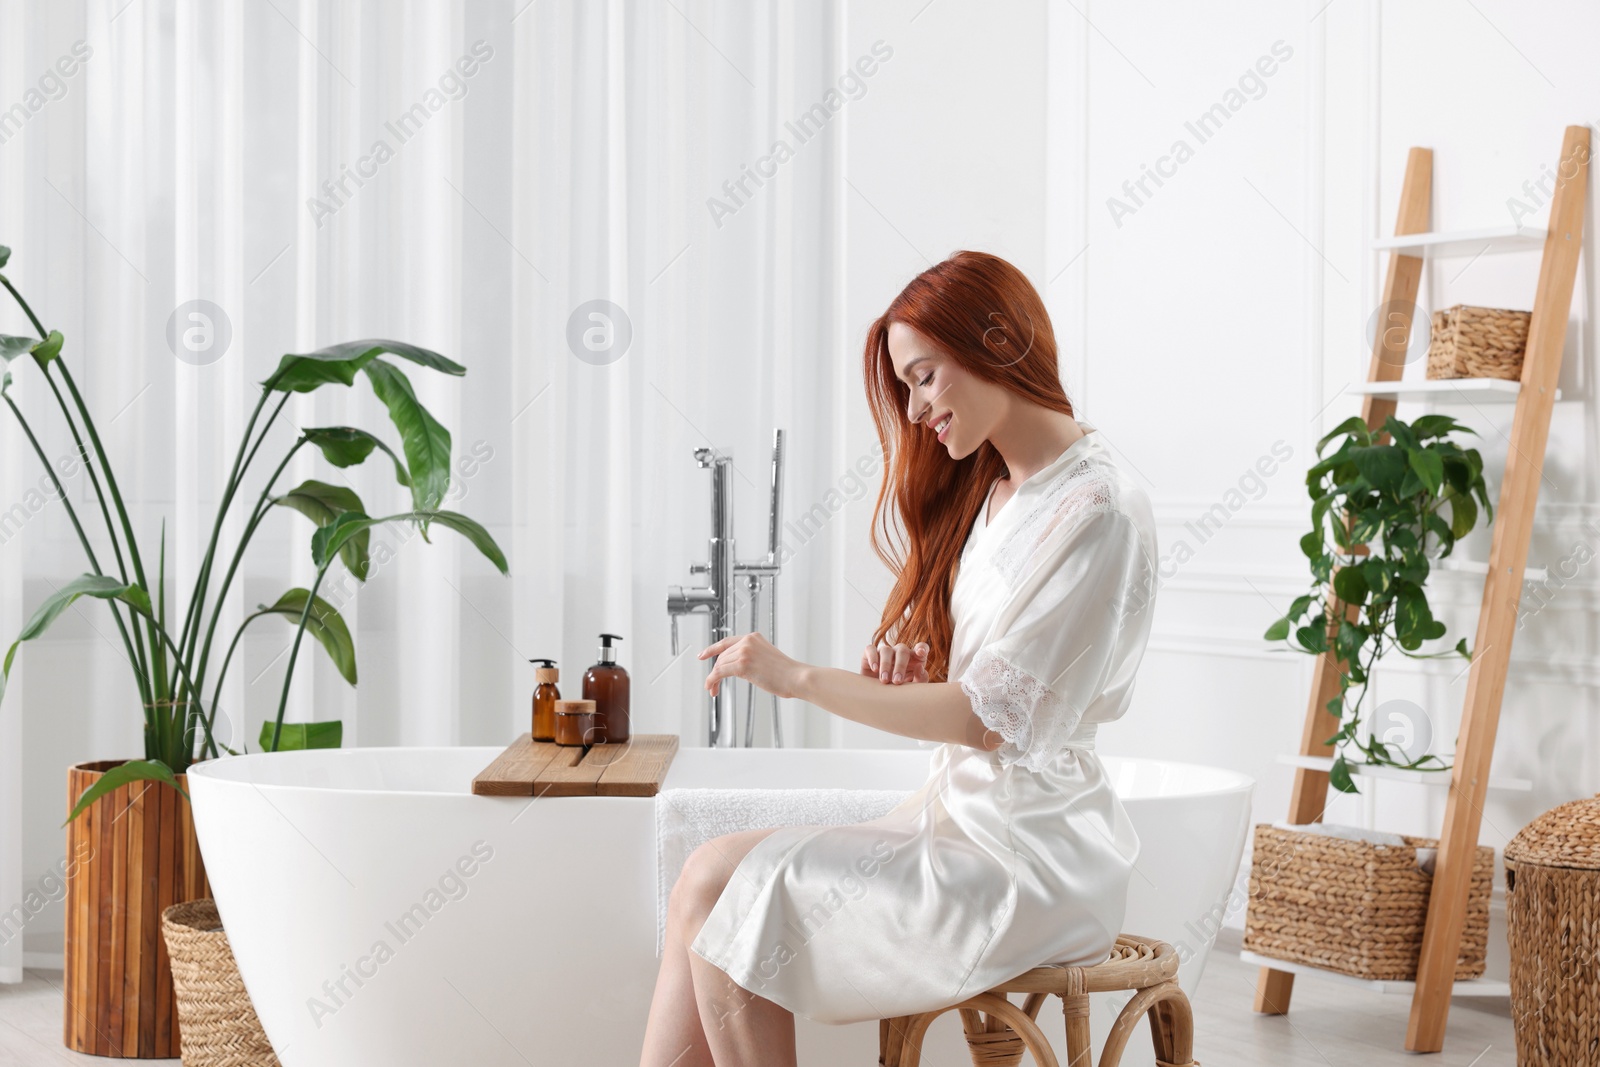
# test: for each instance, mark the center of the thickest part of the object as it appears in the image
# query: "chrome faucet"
(718, 600)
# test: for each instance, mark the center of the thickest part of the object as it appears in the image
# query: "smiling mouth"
(943, 425)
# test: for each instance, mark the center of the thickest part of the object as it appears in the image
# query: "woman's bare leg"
(743, 1028)
(673, 1036)
(676, 1033)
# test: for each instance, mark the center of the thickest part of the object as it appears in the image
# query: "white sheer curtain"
(463, 176)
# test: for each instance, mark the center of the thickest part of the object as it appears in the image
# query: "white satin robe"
(1002, 860)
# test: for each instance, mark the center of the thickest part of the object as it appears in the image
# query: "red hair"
(982, 312)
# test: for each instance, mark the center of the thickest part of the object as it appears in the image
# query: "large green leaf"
(11, 347)
(1412, 618)
(1348, 641)
(302, 374)
(1313, 638)
(1427, 426)
(1350, 585)
(1383, 466)
(1429, 467)
(139, 770)
(299, 736)
(1458, 473)
(315, 494)
(5, 254)
(426, 441)
(1463, 513)
(322, 503)
(95, 585)
(338, 364)
(346, 446)
(324, 623)
(1339, 776)
(1355, 426)
(350, 350)
(328, 540)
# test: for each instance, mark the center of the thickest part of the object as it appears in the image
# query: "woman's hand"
(896, 664)
(755, 659)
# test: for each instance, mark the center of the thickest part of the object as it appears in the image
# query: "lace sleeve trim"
(1034, 721)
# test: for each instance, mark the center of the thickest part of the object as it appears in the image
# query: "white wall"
(945, 154)
(1229, 311)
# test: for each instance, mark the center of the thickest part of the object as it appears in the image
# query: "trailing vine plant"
(1376, 530)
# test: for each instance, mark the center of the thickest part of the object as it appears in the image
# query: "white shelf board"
(1398, 774)
(1475, 987)
(1478, 566)
(1450, 245)
(1465, 390)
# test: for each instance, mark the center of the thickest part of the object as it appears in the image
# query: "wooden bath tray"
(529, 768)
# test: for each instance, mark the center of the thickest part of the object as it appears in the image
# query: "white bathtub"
(531, 936)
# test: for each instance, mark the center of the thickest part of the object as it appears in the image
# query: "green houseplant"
(1376, 530)
(176, 670)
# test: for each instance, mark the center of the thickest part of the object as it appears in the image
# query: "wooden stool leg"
(916, 1028)
(1075, 1006)
(891, 1039)
(1128, 1018)
(1172, 1029)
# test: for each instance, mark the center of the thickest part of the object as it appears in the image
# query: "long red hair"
(982, 312)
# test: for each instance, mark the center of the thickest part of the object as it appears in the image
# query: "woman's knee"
(704, 876)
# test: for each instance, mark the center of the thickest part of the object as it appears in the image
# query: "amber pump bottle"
(545, 696)
(606, 684)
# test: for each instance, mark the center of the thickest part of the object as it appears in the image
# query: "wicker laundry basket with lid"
(218, 1023)
(1553, 926)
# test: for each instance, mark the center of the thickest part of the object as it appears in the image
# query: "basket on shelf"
(1354, 907)
(1553, 927)
(217, 1023)
(1474, 342)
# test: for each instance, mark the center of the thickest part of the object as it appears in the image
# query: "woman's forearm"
(927, 711)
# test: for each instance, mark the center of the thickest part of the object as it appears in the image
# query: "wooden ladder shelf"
(1502, 589)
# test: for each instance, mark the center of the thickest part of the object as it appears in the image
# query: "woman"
(1020, 612)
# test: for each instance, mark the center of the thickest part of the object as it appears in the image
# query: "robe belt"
(1083, 736)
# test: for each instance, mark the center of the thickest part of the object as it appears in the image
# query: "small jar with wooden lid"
(575, 722)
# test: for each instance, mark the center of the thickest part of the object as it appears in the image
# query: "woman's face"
(944, 395)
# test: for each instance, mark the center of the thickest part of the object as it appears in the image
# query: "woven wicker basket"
(1354, 907)
(1553, 926)
(1474, 342)
(218, 1023)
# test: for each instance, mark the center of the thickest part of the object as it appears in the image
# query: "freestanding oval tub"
(381, 914)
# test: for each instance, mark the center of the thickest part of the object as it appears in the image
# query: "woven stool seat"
(999, 1031)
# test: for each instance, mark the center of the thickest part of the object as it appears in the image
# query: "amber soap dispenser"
(545, 696)
(606, 683)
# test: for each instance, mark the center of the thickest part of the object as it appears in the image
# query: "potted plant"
(137, 843)
(1376, 530)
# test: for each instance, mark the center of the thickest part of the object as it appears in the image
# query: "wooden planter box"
(131, 854)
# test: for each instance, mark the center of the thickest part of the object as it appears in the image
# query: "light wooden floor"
(1329, 1024)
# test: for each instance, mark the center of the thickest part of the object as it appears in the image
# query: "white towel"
(687, 818)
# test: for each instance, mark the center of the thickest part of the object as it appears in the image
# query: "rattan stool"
(998, 1031)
